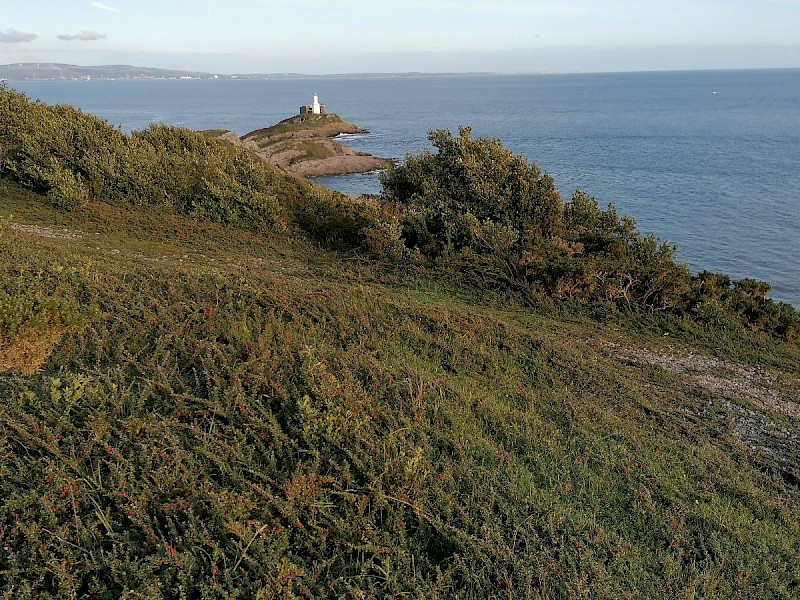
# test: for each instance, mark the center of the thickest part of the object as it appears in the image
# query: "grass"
(312, 151)
(234, 414)
(296, 123)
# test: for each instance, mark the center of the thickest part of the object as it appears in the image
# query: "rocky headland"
(305, 145)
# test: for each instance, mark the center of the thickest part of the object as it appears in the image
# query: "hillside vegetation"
(274, 391)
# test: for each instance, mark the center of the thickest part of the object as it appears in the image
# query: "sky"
(355, 36)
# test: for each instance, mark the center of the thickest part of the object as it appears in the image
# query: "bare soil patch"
(760, 411)
(45, 232)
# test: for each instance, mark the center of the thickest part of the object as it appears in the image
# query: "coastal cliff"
(305, 145)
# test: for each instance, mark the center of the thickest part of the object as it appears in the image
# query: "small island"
(305, 144)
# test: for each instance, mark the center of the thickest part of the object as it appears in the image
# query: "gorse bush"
(473, 196)
(603, 256)
(460, 195)
(479, 211)
(476, 197)
(72, 157)
(716, 300)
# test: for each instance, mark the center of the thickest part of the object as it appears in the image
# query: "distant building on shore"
(315, 108)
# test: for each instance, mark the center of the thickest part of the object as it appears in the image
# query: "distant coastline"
(33, 71)
(42, 71)
(67, 72)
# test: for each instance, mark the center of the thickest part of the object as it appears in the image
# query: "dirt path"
(763, 413)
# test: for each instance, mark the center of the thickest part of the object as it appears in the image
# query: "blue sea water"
(707, 160)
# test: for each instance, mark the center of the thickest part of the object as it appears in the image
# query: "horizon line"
(299, 75)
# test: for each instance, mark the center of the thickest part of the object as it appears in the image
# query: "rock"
(340, 165)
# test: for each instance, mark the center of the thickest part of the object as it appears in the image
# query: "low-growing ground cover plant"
(336, 408)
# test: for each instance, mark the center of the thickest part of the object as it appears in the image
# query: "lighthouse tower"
(314, 108)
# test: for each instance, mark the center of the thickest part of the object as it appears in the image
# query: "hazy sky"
(338, 36)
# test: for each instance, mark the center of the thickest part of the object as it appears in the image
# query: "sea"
(706, 160)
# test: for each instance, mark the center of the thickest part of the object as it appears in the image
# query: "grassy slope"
(224, 412)
(322, 123)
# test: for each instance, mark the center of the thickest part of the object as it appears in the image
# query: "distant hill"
(57, 71)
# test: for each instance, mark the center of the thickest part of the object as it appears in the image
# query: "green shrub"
(474, 180)
(384, 240)
(65, 189)
(488, 218)
(717, 301)
(72, 157)
(334, 220)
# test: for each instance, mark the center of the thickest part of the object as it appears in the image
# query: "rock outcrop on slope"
(305, 145)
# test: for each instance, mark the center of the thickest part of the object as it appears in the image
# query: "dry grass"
(29, 350)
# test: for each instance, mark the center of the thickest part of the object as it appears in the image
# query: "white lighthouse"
(315, 108)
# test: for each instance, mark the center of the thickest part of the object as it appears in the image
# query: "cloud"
(104, 6)
(83, 36)
(12, 36)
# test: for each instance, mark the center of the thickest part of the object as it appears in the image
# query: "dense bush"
(473, 197)
(334, 220)
(476, 209)
(473, 194)
(716, 300)
(73, 157)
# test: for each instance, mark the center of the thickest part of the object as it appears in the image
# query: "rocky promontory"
(305, 145)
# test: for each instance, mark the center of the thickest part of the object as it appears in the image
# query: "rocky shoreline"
(346, 164)
(305, 145)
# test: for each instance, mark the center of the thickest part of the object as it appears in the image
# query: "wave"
(349, 136)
